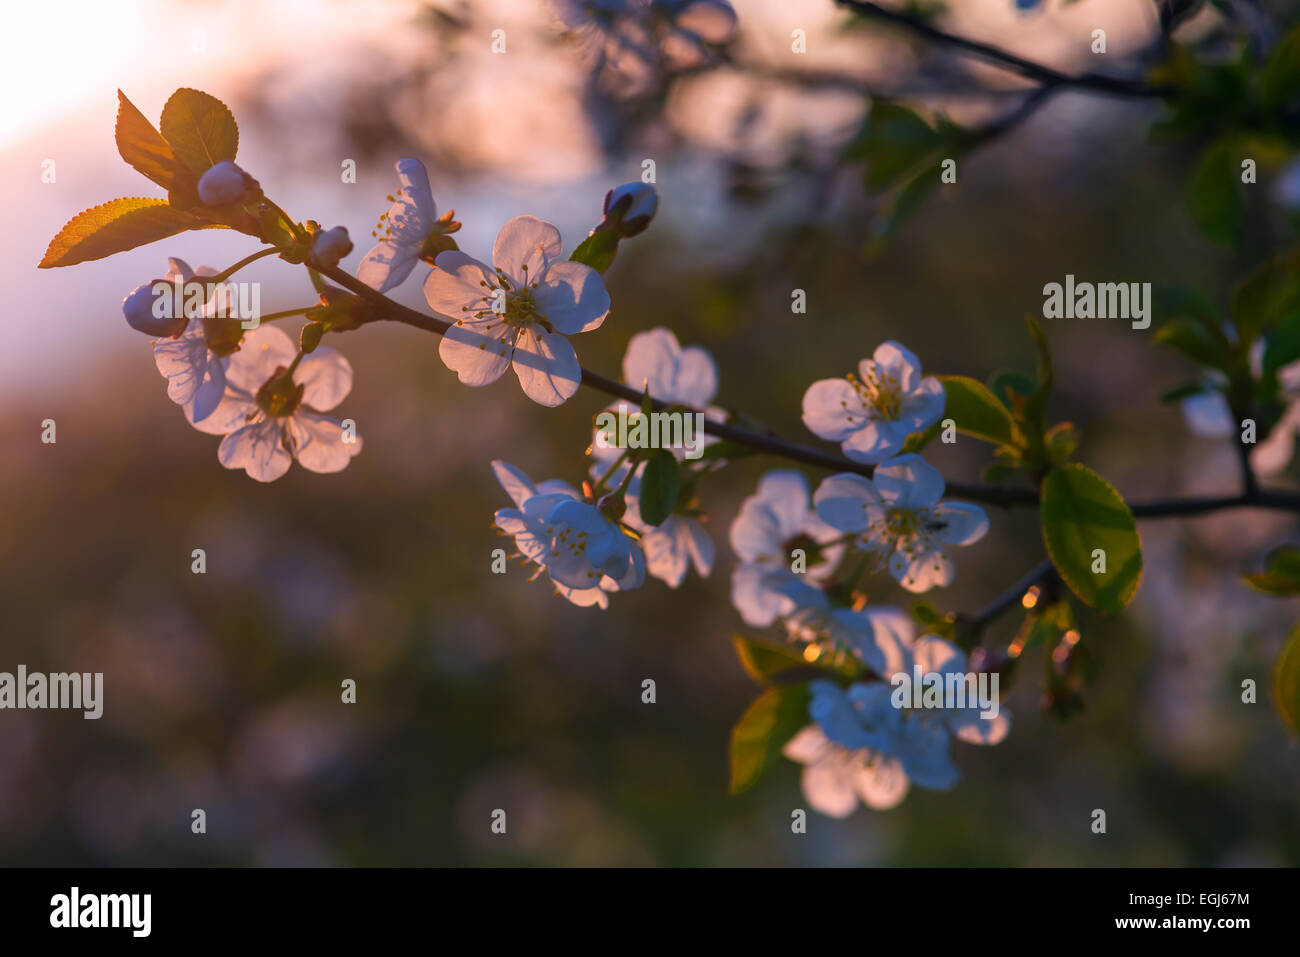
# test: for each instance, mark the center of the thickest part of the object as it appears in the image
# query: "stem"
(286, 313)
(227, 273)
(1012, 595)
(775, 445)
(1096, 82)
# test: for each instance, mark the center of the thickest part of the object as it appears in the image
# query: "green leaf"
(1082, 512)
(1192, 339)
(1009, 382)
(597, 250)
(115, 226)
(1269, 296)
(659, 487)
(1279, 80)
(893, 142)
(762, 661)
(199, 128)
(1215, 195)
(904, 204)
(1187, 389)
(977, 411)
(1037, 404)
(767, 724)
(1062, 440)
(1281, 574)
(1283, 346)
(141, 145)
(1286, 683)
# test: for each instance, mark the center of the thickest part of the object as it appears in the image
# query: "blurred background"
(478, 692)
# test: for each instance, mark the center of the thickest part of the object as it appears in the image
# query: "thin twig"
(1096, 82)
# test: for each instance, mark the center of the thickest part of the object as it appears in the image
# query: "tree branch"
(772, 444)
(1095, 82)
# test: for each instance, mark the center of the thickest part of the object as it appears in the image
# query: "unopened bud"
(148, 309)
(225, 183)
(629, 208)
(330, 246)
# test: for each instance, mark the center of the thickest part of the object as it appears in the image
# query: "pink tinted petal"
(842, 501)
(517, 485)
(897, 361)
(828, 785)
(882, 783)
(456, 288)
(700, 546)
(258, 450)
(326, 378)
(922, 570)
(526, 241)
(572, 298)
(474, 351)
(833, 409)
(756, 533)
(650, 361)
(970, 727)
(264, 350)
(387, 265)
(785, 492)
(808, 746)
(547, 366)
(320, 443)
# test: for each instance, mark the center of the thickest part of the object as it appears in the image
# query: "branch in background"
(1012, 596)
(1095, 82)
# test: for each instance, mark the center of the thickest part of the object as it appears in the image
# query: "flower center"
(881, 392)
(279, 396)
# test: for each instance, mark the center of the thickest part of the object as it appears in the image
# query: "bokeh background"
(477, 691)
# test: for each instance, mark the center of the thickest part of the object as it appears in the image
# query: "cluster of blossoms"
(266, 397)
(861, 745)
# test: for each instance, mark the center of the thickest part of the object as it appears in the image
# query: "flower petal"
(387, 265)
(546, 365)
(964, 523)
(264, 350)
(258, 449)
(572, 297)
(326, 378)
(842, 501)
(833, 409)
(921, 569)
(320, 443)
(908, 481)
(526, 241)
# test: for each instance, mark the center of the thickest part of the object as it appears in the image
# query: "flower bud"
(629, 208)
(330, 246)
(148, 309)
(225, 183)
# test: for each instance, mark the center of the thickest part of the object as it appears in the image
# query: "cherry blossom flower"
(556, 544)
(835, 778)
(871, 414)
(897, 513)
(272, 416)
(518, 312)
(864, 746)
(770, 525)
(671, 547)
(412, 230)
(196, 377)
(629, 208)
